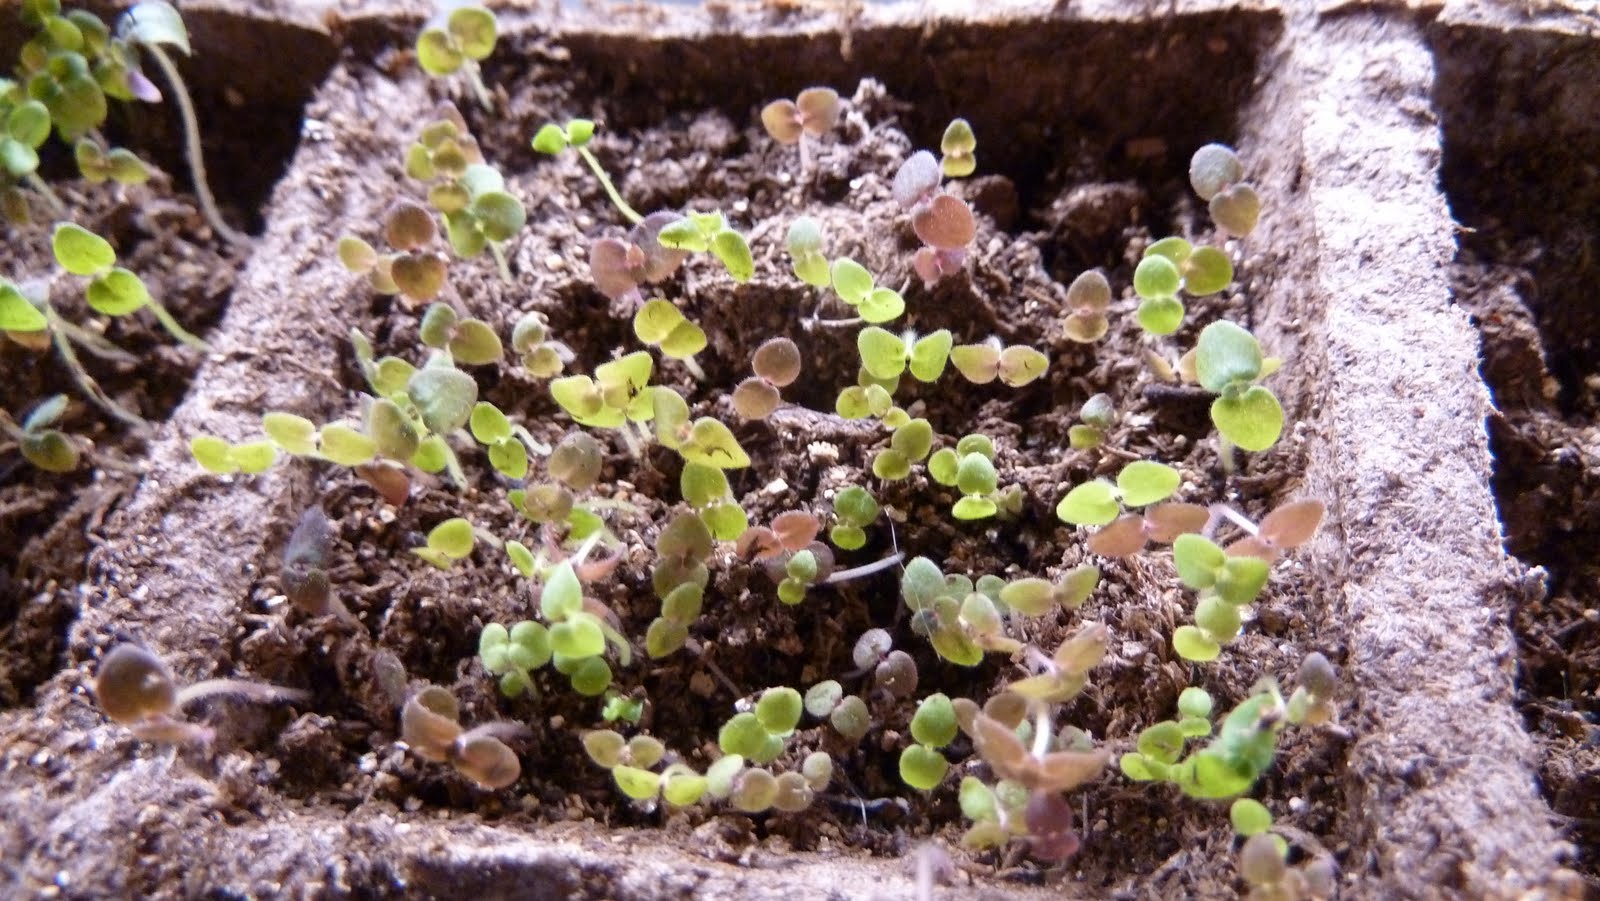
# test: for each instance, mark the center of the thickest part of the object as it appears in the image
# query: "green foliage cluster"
(962, 619)
(50, 449)
(457, 39)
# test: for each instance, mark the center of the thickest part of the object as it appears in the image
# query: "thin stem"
(534, 445)
(174, 328)
(43, 189)
(191, 137)
(1220, 512)
(94, 343)
(629, 212)
(475, 79)
(861, 572)
(452, 465)
(816, 321)
(694, 368)
(500, 261)
(1041, 731)
(499, 730)
(91, 388)
(251, 691)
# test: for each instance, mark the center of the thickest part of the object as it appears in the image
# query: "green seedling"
(969, 468)
(99, 164)
(680, 577)
(706, 489)
(661, 324)
(1009, 810)
(795, 560)
(490, 428)
(909, 444)
(50, 449)
(776, 364)
(552, 139)
(457, 39)
(622, 709)
(448, 542)
(959, 148)
(856, 287)
(871, 397)
(412, 270)
(1098, 503)
(1249, 817)
(1014, 366)
(618, 392)
(1171, 265)
(704, 440)
(758, 734)
(855, 509)
(513, 654)
(112, 290)
(885, 355)
(814, 112)
(847, 714)
(1217, 175)
(963, 619)
(137, 690)
(479, 211)
(542, 356)
(933, 726)
(894, 672)
(580, 629)
(1226, 584)
(630, 761)
(470, 341)
(943, 222)
(1228, 362)
(804, 242)
(1098, 415)
(702, 232)
(430, 724)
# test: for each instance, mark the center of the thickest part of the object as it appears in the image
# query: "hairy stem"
(474, 77)
(500, 261)
(628, 212)
(174, 328)
(43, 189)
(90, 388)
(867, 569)
(191, 139)
(251, 691)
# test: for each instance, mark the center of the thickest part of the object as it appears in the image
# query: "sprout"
(513, 654)
(855, 509)
(1249, 817)
(577, 133)
(470, 341)
(136, 689)
(856, 287)
(543, 357)
(1097, 503)
(804, 243)
(943, 222)
(982, 363)
(1228, 362)
(1088, 297)
(457, 39)
(886, 355)
(661, 324)
(700, 232)
(910, 443)
(448, 542)
(1129, 534)
(957, 146)
(47, 448)
(814, 112)
(430, 725)
(922, 767)
(969, 468)
(1228, 765)
(776, 364)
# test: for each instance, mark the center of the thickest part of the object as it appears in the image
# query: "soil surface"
(148, 547)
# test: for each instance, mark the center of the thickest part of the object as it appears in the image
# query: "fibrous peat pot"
(1080, 165)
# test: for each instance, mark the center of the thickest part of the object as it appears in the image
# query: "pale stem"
(173, 328)
(500, 261)
(1041, 731)
(452, 465)
(534, 445)
(1220, 512)
(191, 137)
(43, 189)
(694, 368)
(867, 569)
(91, 388)
(629, 212)
(498, 730)
(250, 691)
(94, 343)
(475, 80)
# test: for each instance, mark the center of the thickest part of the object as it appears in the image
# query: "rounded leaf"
(922, 767)
(929, 355)
(1160, 315)
(946, 223)
(1226, 355)
(1237, 209)
(1156, 276)
(934, 723)
(781, 118)
(1090, 504)
(1143, 482)
(1213, 168)
(80, 251)
(1207, 271)
(17, 313)
(444, 397)
(916, 178)
(1194, 644)
(1252, 420)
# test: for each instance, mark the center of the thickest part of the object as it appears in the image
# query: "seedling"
(661, 324)
(856, 287)
(136, 689)
(1217, 175)
(758, 735)
(933, 726)
(413, 271)
(542, 356)
(969, 468)
(576, 134)
(943, 222)
(1098, 417)
(814, 112)
(680, 577)
(701, 232)
(430, 723)
(470, 341)
(959, 148)
(457, 39)
(804, 243)
(1228, 362)
(1088, 297)
(1015, 366)
(1264, 866)
(705, 440)
(305, 567)
(1170, 265)
(1139, 484)
(1163, 523)
(894, 672)
(706, 489)
(885, 355)
(847, 714)
(51, 450)
(448, 542)
(795, 560)
(617, 393)
(855, 509)
(909, 444)
(513, 654)
(776, 364)
(962, 619)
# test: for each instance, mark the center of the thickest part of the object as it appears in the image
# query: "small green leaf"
(521, 558)
(1198, 560)
(851, 281)
(1253, 420)
(488, 424)
(710, 442)
(731, 248)
(295, 434)
(1194, 644)
(550, 138)
(117, 293)
(922, 767)
(473, 29)
(80, 251)
(1156, 276)
(475, 343)
(882, 305)
(17, 314)
(929, 355)
(943, 466)
(346, 446)
(213, 454)
(437, 52)
(1226, 355)
(1207, 272)
(1143, 482)
(254, 457)
(509, 458)
(970, 508)
(50, 450)
(444, 397)
(154, 22)
(1090, 504)
(453, 538)
(1249, 817)
(1160, 315)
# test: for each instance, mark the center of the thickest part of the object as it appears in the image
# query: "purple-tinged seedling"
(620, 265)
(776, 364)
(814, 113)
(457, 39)
(430, 724)
(1088, 299)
